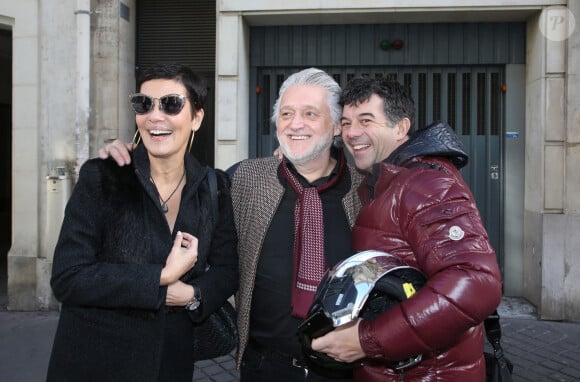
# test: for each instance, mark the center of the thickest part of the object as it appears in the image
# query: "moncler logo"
(456, 233)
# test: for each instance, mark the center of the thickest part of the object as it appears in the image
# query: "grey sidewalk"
(540, 350)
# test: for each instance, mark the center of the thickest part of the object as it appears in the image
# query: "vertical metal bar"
(421, 100)
(466, 103)
(266, 107)
(451, 117)
(436, 101)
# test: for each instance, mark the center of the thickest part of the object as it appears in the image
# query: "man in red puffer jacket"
(416, 206)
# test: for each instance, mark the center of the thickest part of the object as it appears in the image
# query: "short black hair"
(194, 85)
(397, 103)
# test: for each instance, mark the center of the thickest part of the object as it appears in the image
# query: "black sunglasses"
(170, 104)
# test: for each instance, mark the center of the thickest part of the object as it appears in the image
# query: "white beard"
(321, 146)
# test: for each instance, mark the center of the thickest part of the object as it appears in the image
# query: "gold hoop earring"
(136, 138)
(191, 140)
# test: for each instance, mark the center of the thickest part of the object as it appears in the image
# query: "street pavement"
(540, 350)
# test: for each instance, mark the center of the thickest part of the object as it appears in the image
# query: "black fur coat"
(107, 263)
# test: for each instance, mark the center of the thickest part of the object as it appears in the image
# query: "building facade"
(505, 73)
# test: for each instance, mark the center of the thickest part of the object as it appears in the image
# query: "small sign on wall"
(512, 134)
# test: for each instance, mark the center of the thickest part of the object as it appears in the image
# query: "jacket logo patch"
(456, 233)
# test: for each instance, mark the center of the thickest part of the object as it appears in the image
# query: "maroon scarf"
(309, 260)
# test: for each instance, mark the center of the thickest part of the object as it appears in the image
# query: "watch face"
(193, 305)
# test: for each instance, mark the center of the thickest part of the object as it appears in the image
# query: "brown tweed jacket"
(256, 194)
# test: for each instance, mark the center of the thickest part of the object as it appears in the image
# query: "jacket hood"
(437, 139)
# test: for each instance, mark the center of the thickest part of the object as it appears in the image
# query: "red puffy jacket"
(428, 217)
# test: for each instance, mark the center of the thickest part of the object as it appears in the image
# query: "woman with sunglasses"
(139, 258)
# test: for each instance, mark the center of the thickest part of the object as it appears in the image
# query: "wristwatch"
(193, 304)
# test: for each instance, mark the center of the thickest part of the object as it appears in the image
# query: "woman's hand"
(278, 153)
(178, 294)
(118, 150)
(181, 259)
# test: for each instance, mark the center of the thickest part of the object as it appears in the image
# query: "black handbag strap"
(493, 334)
(493, 330)
(212, 183)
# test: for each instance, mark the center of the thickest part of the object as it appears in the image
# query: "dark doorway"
(5, 159)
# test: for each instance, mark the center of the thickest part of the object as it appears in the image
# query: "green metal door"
(469, 98)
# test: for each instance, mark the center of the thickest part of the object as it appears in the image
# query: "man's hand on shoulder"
(117, 150)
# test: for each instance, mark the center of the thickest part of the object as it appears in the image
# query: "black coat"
(107, 263)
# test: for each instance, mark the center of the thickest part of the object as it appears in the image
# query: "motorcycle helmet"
(363, 285)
